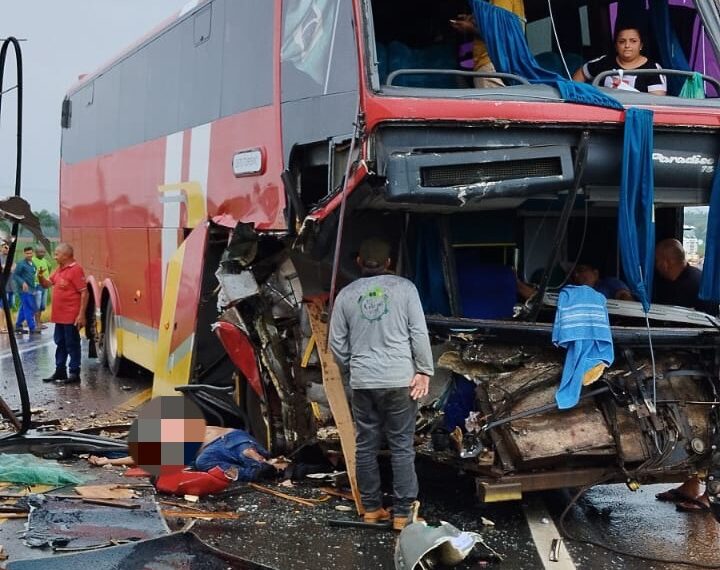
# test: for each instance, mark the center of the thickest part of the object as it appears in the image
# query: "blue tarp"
(636, 227)
(509, 52)
(710, 284)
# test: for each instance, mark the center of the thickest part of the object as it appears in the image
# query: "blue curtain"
(636, 226)
(710, 284)
(429, 278)
(670, 52)
(509, 53)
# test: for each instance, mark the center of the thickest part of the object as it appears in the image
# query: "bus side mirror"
(66, 114)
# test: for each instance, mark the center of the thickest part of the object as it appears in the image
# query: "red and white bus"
(203, 177)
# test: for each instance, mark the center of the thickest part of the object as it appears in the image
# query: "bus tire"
(110, 356)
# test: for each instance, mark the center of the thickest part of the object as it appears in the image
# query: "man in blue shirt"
(611, 287)
(24, 281)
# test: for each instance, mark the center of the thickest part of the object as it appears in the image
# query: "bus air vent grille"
(484, 172)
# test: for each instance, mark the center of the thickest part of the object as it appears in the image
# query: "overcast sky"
(65, 38)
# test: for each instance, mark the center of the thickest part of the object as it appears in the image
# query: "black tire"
(115, 362)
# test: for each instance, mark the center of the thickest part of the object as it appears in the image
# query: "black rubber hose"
(19, 372)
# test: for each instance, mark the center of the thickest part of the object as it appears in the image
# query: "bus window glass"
(695, 220)
(163, 84)
(247, 64)
(308, 31)
(200, 68)
(342, 71)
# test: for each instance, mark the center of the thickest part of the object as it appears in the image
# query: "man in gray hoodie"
(379, 336)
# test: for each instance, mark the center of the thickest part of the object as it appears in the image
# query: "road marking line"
(543, 531)
(134, 401)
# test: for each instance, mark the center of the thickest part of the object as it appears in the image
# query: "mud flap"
(178, 318)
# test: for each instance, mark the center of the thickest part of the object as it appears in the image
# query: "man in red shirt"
(68, 312)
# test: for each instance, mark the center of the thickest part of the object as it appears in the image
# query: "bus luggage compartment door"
(178, 318)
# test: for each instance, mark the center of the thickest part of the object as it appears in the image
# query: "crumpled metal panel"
(175, 551)
(70, 523)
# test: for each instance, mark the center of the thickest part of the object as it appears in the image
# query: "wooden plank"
(112, 503)
(335, 392)
(105, 492)
(275, 493)
(207, 515)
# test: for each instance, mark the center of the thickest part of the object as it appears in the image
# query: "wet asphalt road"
(288, 536)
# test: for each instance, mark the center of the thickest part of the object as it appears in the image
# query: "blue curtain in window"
(710, 284)
(670, 52)
(510, 53)
(636, 226)
(429, 277)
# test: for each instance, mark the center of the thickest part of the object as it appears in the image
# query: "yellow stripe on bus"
(137, 348)
(170, 373)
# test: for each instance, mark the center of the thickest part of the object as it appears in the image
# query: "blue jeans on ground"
(67, 340)
(390, 412)
(227, 451)
(27, 310)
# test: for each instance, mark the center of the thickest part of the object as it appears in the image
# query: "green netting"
(30, 470)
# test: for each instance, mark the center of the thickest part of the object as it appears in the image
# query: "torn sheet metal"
(175, 551)
(69, 523)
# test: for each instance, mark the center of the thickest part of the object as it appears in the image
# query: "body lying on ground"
(235, 451)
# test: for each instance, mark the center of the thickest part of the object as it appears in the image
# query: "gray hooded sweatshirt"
(378, 333)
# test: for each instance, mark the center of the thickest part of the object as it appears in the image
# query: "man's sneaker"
(36, 331)
(57, 375)
(71, 379)
(376, 516)
(20, 331)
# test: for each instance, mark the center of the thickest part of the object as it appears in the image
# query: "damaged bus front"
(216, 224)
(482, 192)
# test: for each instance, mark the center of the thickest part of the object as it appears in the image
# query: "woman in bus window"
(628, 56)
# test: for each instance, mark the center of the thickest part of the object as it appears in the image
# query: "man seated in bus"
(627, 57)
(612, 287)
(465, 23)
(678, 283)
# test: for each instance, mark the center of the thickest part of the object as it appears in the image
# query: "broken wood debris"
(337, 493)
(180, 505)
(305, 502)
(207, 515)
(111, 503)
(13, 516)
(106, 492)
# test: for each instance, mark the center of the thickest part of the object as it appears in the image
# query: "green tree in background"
(49, 223)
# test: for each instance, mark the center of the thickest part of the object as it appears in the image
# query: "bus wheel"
(117, 364)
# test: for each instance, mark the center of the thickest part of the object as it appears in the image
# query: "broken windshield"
(440, 47)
